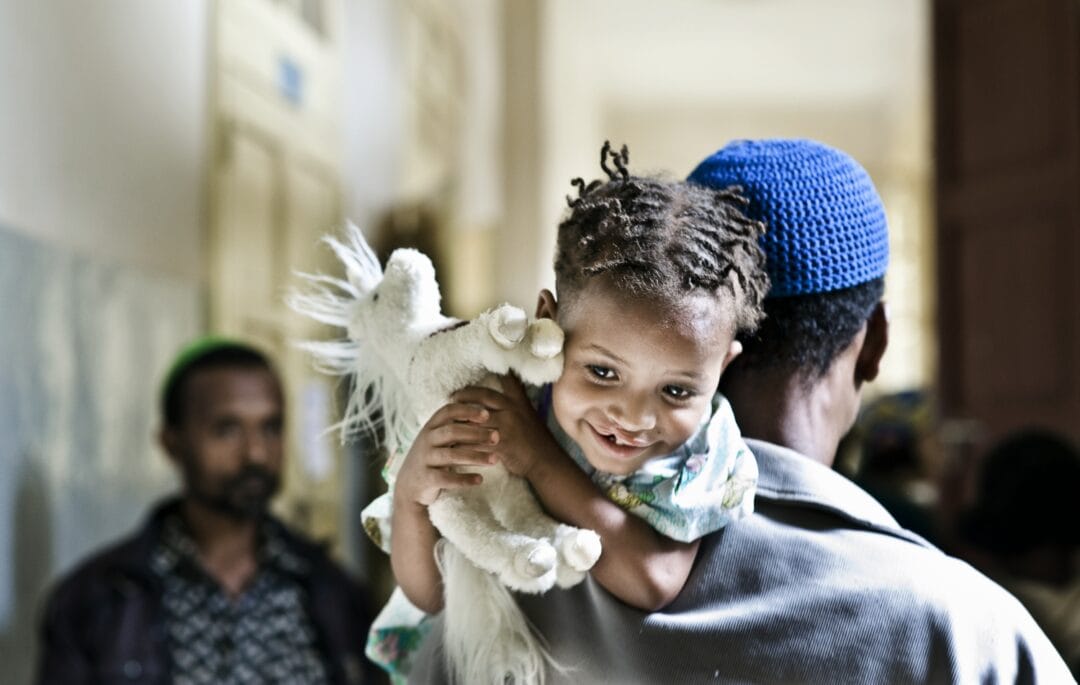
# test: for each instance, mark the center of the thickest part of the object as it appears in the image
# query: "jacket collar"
(135, 556)
(787, 477)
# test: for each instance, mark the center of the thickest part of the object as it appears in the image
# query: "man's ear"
(873, 348)
(170, 442)
(734, 350)
(546, 306)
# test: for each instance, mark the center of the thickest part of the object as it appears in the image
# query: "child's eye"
(601, 372)
(677, 392)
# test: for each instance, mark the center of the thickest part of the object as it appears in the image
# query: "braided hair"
(658, 238)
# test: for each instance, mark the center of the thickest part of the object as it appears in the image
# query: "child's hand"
(523, 440)
(453, 436)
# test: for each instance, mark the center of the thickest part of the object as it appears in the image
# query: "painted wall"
(102, 148)
(677, 80)
(374, 81)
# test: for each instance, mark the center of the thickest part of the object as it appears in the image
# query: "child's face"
(639, 375)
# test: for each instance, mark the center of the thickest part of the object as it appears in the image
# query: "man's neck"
(227, 546)
(781, 409)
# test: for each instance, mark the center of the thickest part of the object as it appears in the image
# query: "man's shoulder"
(122, 562)
(817, 544)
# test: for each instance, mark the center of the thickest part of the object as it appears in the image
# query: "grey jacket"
(819, 585)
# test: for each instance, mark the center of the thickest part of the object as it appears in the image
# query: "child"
(654, 279)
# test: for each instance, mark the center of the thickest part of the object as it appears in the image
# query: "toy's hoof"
(547, 339)
(581, 549)
(537, 562)
(507, 325)
(567, 577)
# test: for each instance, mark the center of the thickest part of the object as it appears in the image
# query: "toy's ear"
(546, 306)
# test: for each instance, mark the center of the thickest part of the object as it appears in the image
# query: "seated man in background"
(894, 448)
(212, 588)
(1023, 530)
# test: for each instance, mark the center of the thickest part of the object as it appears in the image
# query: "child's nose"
(633, 415)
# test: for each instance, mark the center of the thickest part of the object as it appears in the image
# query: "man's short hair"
(826, 245)
(210, 352)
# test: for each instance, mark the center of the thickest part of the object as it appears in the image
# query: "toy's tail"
(487, 638)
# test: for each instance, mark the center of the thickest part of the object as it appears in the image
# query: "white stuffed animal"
(406, 358)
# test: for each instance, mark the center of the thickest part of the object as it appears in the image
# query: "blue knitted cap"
(825, 221)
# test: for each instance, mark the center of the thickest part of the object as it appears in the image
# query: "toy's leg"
(537, 359)
(521, 562)
(507, 325)
(545, 338)
(579, 550)
(516, 508)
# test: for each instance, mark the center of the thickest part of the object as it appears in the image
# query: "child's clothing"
(694, 491)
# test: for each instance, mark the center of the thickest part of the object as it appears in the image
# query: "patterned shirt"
(263, 636)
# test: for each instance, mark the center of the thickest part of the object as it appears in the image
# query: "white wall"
(373, 100)
(102, 127)
(677, 80)
(102, 149)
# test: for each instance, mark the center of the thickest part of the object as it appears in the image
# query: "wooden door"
(1007, 88)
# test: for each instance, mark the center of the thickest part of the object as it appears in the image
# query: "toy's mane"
(377, 397)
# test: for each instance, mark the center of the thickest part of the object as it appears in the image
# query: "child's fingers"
(455, 480)
(443, 457)
(513, 388)
(484, 397)
(436, 480)
(459, 412)
(476, 437)
(452, 480)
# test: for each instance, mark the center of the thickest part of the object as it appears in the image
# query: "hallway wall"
(102, 148)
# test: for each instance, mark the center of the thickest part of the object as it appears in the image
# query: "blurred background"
(166, 166)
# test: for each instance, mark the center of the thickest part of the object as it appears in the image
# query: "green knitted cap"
(196, 350)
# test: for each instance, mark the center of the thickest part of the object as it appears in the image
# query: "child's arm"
(453, 436)
(638, 565)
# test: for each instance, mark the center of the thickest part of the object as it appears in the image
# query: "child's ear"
(734, 350)
(546, 306)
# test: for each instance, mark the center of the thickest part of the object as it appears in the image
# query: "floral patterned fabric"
(698, 489)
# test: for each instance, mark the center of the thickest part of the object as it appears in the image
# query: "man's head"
(827, 247)
(222, 412)
(1026, 508)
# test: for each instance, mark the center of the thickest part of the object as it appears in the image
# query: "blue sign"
(290, 80)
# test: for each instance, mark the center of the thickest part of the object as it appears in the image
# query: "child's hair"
(658, 238)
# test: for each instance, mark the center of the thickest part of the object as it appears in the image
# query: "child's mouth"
(617, 447)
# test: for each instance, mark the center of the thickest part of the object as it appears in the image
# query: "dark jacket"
(104, 621)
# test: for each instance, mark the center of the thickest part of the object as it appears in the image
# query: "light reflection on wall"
(83, 346)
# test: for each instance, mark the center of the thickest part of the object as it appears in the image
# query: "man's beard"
(244, 496)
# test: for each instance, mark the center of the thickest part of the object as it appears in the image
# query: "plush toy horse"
(406, 358)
